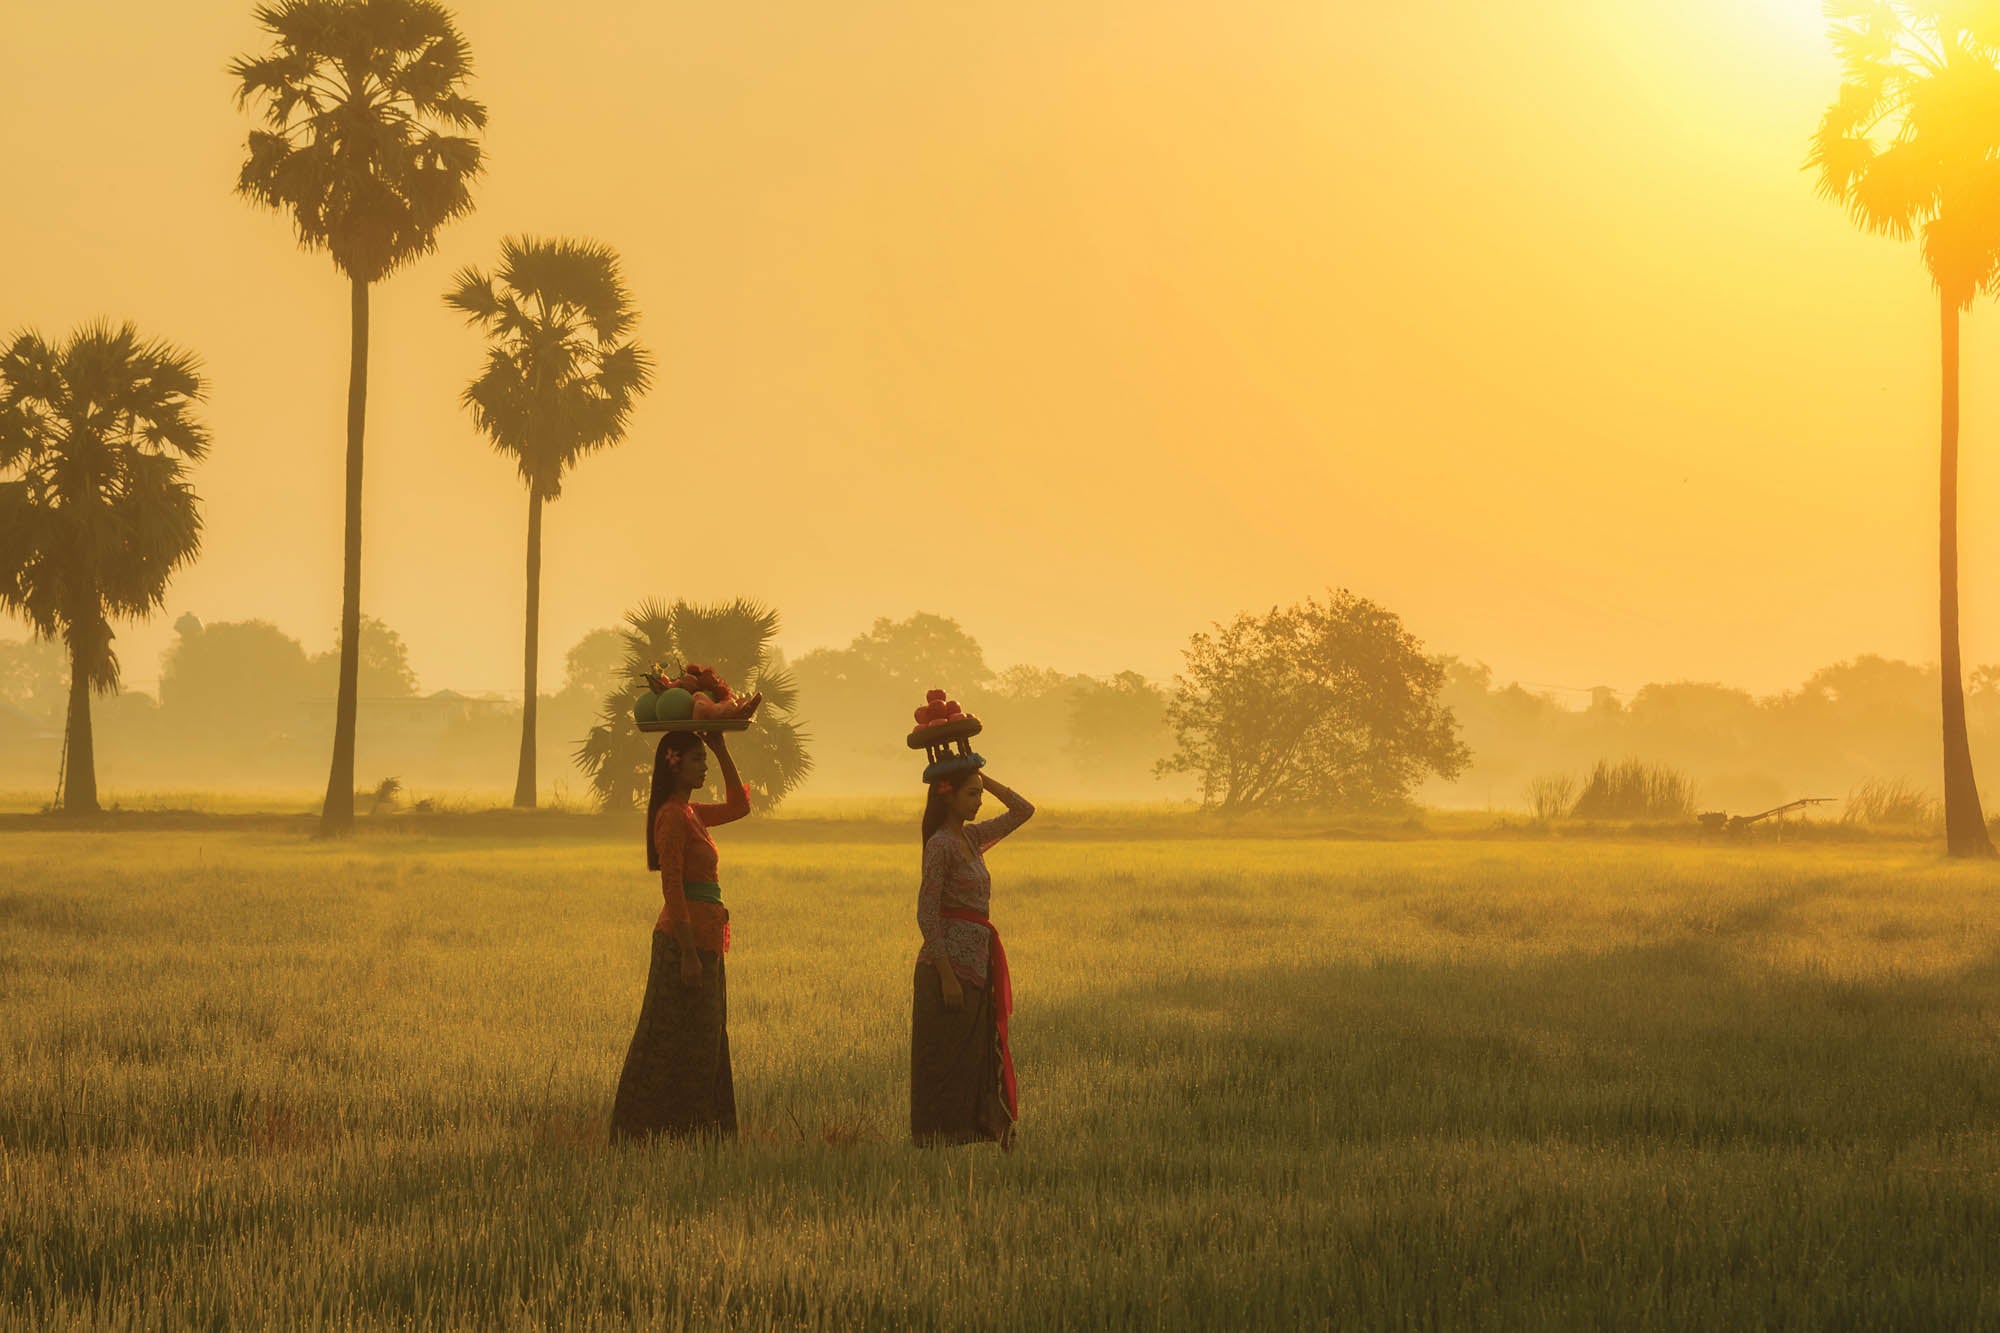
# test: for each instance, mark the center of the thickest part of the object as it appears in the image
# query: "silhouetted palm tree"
(100, 515)
(735, 639)
(1911, 148)
(560, 380)
(359, 100)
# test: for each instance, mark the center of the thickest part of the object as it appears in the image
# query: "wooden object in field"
(948, 745)
(1717, 821)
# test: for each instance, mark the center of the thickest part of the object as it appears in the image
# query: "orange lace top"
(688, 856)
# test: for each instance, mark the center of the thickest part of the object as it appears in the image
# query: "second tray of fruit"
(940, 720)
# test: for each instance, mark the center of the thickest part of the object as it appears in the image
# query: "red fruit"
(935, 696)
(923, 715)
(952, 709)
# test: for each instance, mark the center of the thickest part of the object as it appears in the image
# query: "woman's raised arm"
(1019, 810)
(736, 797)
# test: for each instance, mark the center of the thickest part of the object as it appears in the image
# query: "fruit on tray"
(712, 696)
(939, 711)
(697, 679)
(708, 707)
(697, 694)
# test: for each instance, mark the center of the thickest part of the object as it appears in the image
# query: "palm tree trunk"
(337, 815)
(80, 776)
(1964, 822)
(524, 781)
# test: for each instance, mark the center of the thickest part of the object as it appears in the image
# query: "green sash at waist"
(701, 891)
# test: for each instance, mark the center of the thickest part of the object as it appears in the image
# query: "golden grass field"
(1455, 1079)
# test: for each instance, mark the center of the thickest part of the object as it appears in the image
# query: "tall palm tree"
(1911, 148)
(735, 639)
(364, 145)
(560, 380)
(95, 510)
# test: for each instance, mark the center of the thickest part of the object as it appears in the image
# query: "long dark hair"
(937, 806)
(680, 744)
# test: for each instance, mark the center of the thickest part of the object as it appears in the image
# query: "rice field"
(1457, 1081)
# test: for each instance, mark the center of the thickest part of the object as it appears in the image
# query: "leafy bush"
(1320, 706)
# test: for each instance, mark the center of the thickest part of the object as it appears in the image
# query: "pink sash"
(1003, 1002)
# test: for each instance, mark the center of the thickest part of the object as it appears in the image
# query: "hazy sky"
(1084, 321)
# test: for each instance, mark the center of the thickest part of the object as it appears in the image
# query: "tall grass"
(258, 1081)
(1552, 796)
(1892, 803)
(1634, 789)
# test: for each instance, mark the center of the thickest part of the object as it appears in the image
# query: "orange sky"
(1522, 320)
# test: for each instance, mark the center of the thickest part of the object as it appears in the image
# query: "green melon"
(676, 705)
(647, 707)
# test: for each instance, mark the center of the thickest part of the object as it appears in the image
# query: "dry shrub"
(1551, 796)
(1892, 803)
(1635, 790)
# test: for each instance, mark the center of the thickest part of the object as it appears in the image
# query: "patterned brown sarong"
(956, 1094)
(676, 1078)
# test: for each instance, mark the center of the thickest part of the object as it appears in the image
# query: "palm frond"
(472, 293)
(365, 140)
(557, 384)
(772, 755)
(1912, 128)
(98, 514)
(779, 686)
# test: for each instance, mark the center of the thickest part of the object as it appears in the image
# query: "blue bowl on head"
(953, 766)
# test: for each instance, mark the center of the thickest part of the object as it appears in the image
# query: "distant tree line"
(1081, 734)
(243, 704)
(1870, 719)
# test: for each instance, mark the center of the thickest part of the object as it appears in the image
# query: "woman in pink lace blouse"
(961, 1070)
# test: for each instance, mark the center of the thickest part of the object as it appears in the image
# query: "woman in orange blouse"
(676, 1078)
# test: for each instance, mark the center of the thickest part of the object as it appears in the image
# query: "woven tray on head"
(963, 729)
(699, 724)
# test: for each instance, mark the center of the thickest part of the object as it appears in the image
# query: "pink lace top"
(955, 876)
